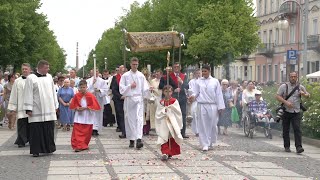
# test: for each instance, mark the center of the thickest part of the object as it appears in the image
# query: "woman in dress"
(248, 95)
(225, 118)
(65, 94)
(6, 96)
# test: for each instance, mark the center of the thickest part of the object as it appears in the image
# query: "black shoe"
(185, 137)
(95, 133)
(21, 145)
(111, 125)
(35, 155)
(131, 145)
(299, 149)
(139, 144)
(287, 149)
(118, 130)
(122, 136)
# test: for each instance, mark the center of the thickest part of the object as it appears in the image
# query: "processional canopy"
(152, 41)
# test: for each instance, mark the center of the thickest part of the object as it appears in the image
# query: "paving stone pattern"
(234, 157)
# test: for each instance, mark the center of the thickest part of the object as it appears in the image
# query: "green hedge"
(310, 120)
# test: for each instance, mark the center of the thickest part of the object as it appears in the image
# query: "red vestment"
(81, 136)
(171, 147)
(92, 102)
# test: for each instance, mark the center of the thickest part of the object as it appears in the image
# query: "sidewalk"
(234, 157)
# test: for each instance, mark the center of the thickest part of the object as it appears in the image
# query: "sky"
(82, 21)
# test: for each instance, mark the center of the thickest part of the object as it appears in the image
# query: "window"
(240, 67)
(315, 26)
(292, 33)
(308, 67)
(276, 73)
(265, 7)
(317, 66)
(259, 8)
(250, 73)
(264, 36)
(284, 37)
(245, 71)
(259, 35)
(271, 6)
(277, 4)
(264, 73)
(270, 37)
(270, 72)
(258, 73)
(276, 41)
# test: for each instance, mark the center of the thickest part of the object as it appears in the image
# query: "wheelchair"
(251, 121)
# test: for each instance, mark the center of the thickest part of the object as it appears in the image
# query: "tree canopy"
(212, 28)
(25, 36)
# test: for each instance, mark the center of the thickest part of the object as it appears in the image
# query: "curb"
(305, 140)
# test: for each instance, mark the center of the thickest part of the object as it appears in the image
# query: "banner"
(151, 41)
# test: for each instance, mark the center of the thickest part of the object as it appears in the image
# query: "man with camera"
(289, 94)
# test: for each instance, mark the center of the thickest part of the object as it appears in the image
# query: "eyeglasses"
(224, 84)
(135, 64)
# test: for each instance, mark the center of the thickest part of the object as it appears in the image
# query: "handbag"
(234, 115)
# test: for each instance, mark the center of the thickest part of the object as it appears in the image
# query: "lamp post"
(284, 24)
(105, 63)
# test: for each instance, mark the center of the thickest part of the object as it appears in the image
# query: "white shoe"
(205, 148)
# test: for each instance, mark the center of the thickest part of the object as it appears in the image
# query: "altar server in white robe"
(98, 87)
(16, 105)
(41, 104)
(209, 97)
(193, 109)
(134, 86)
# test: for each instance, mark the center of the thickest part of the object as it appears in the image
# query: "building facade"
(269, 62)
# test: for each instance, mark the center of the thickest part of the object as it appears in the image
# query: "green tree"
(228, 28)
(26, 37)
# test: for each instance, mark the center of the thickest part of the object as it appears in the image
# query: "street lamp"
(283, 24)
(105, 63)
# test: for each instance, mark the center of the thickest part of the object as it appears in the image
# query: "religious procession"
(162, 102)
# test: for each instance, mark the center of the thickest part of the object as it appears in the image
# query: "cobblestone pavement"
(234, 157)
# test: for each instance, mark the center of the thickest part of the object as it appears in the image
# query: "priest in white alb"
(16, 105)
(41, 104)
(134, 87)
(98, 87)
(208, 94)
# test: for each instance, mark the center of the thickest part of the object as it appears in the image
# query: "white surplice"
(101, 85)
(152, 106)
(17, 98)
(85, 116)
(209, 97)
(133, 103)
(194, 123)
(40, 97)
(168, 123)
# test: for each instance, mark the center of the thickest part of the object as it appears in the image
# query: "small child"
(84, 103)
(168, 123)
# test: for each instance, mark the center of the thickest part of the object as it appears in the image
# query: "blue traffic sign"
(292, 56)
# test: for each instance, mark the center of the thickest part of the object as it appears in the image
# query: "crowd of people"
(137, 102)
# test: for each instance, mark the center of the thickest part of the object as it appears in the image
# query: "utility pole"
(305, 38)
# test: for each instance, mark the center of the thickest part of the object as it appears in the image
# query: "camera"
(279, 114)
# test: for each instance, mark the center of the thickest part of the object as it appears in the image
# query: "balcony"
(313, 42)
(290, 9)
(266, 49)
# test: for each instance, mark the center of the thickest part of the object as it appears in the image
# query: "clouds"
(82, 21)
